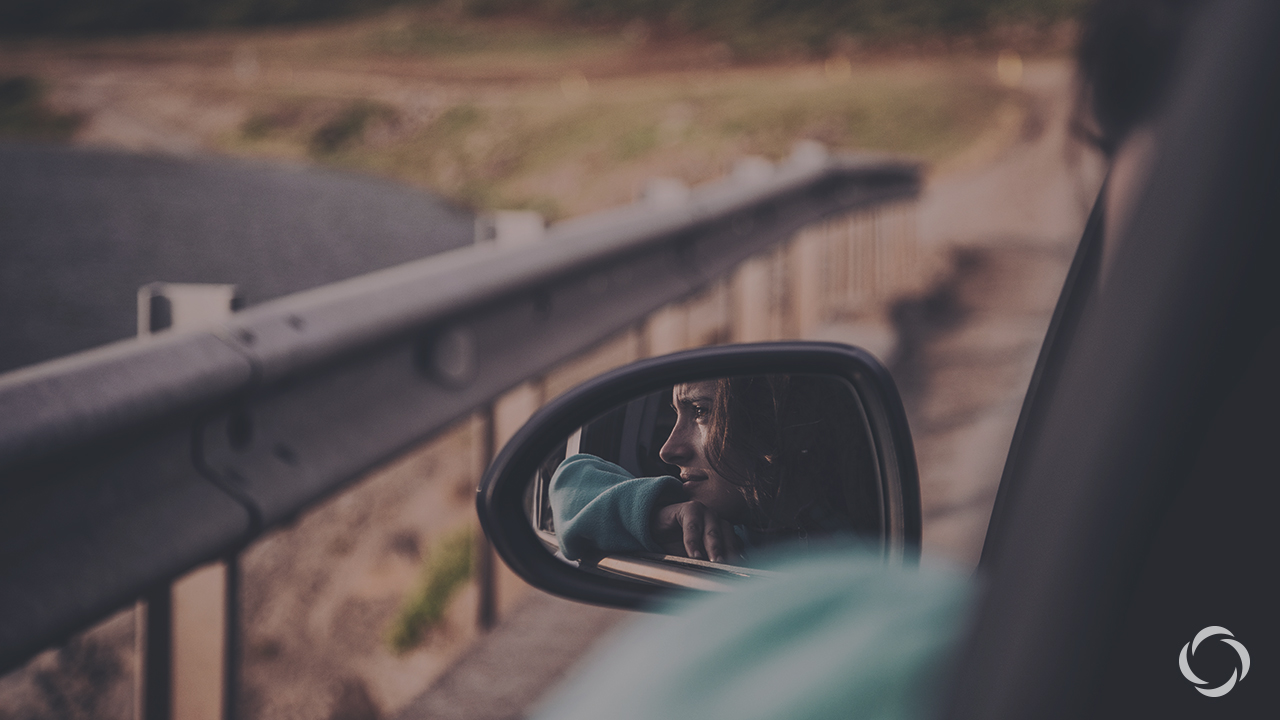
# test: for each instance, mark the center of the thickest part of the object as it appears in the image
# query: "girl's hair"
(1126, 60)
(799, 449)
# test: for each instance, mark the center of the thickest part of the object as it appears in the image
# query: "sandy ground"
(319, 595)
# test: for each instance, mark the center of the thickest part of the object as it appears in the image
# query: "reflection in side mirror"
(714, 470)
(680, 471)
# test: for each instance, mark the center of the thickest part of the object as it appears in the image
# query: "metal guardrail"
(124, 466)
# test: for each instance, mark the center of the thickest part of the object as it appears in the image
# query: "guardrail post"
(749, 303)
(201, 625)
(666, 331)
(486, 594)
(501, 421)
(153, 647)
(493, 426)
(231, 643)
(806, 284)
(188, 631)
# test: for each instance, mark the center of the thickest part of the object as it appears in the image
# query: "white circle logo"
(1236, 675)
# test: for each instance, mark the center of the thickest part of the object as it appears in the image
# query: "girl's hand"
(694, 530)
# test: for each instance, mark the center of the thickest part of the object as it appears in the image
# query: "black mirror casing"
(501, 495)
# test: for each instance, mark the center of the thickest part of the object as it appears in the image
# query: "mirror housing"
(501, 497)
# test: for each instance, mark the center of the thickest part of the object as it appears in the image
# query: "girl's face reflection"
(687, 447)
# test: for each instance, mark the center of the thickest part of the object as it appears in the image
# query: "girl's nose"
(676, 449)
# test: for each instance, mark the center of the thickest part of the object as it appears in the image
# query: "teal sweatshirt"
(600, 508)
(835, 634)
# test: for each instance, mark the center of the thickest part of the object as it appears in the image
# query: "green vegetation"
(545, 148)
(349, 126)
(428, 36)
(637, 142)
(262, 125)
(447, 568)
(557, 117)
(23, 112)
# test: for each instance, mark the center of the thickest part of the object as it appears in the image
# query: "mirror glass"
(690, 483)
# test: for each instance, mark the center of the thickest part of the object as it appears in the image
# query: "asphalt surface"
(81, 230)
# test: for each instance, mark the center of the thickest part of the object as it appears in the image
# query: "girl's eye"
(699, 412)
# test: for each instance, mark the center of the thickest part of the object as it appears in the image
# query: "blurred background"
(278, 145)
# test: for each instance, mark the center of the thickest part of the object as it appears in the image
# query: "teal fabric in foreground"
(599, 507)
(837, 635)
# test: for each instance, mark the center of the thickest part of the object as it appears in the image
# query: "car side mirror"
(675, 472)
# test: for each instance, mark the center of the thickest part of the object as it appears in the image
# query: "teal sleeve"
(835, 634)
(599, 507)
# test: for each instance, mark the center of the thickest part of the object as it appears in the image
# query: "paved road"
(969, 345)
(505, 672)
(81, 230)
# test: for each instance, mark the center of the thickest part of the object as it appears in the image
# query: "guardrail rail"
(125, 466)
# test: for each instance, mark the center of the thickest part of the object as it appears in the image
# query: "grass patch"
(455, 120)
(637, 143)
(507, 120)
(432, 38)
(930, 117)
(349, 125)
(447, 569)
(23, 112)
(533, 146)
(266, 123)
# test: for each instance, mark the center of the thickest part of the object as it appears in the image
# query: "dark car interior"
(1134, 508)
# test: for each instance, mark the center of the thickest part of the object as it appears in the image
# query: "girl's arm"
(600, 508)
